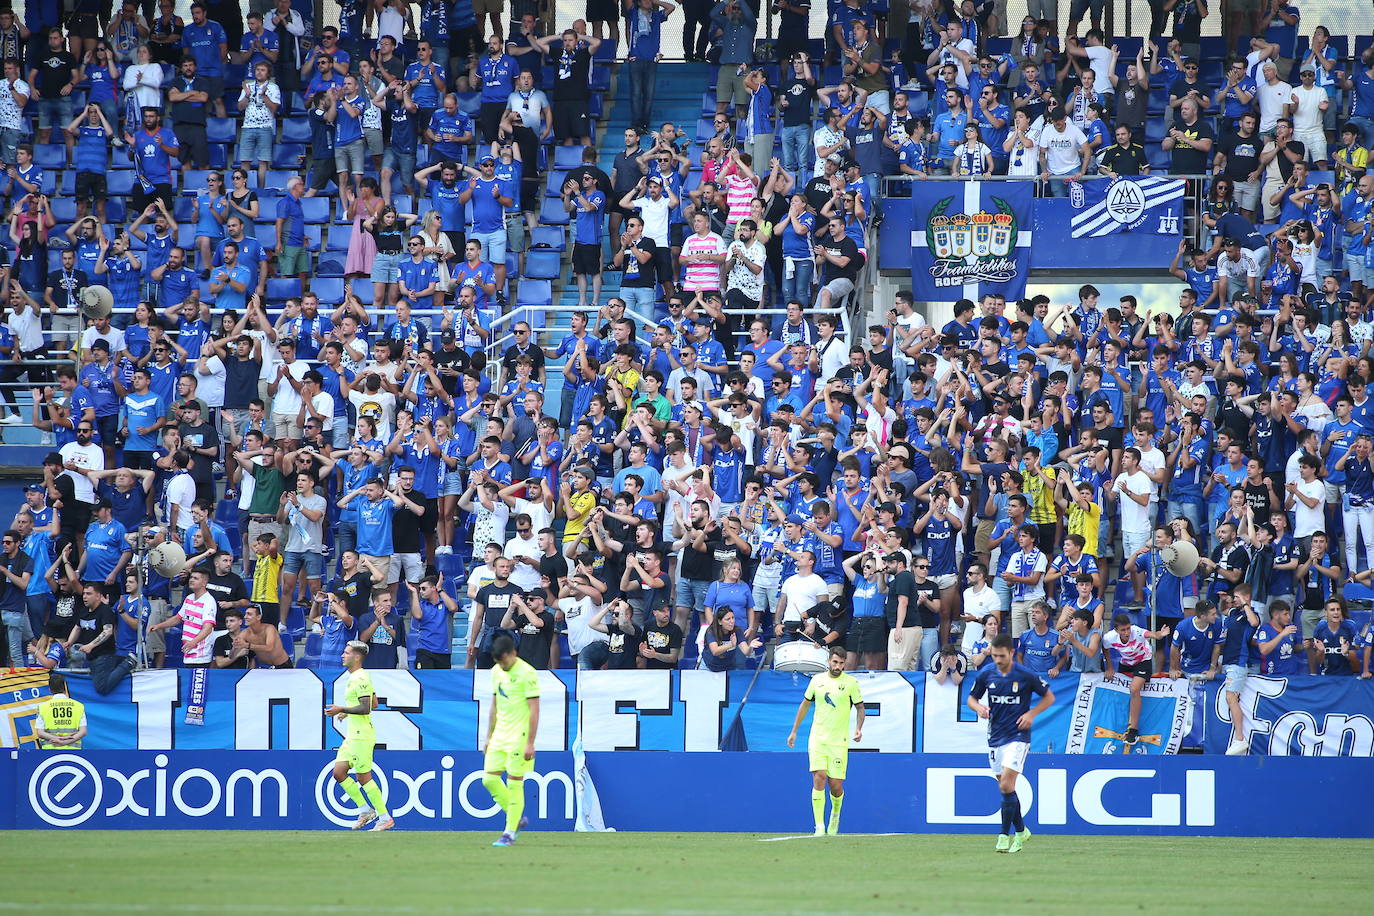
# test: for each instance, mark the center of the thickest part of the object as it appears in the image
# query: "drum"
(802, 655)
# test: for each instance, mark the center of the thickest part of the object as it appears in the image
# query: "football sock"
(496, 787)
(515, 804)
(818, 807)
(353, 791)
(1016, 821)
(1009, 804)
(375, 797)
(836, 803)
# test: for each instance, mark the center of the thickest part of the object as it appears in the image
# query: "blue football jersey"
(1009, 696)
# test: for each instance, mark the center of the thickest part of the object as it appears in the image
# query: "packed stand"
(321, 378)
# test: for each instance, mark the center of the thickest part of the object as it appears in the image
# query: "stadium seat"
(295, 130)
(63, 210)
(551, 212)
(339, 236)
(534, 293)
(553, 183)
(288, 155)
(280, 288)
(120, 183)
(551, 236)
(567, 157)
(543, 264)
(49, 156)
(330, 291)
(220, 130)
(316, 209)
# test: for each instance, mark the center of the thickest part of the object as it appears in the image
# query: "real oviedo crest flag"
(970, 239)
(1129, 204)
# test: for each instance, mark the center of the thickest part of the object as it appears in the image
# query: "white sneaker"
(45, 439)
(367, 817)
(820, 831)
(1237, 748)
(443, 549)
(10, 419)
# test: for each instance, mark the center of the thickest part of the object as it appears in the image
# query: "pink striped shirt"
(739, 193)
(704, 275)
(195, 613)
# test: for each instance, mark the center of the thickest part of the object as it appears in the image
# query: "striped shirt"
(703, 275)
(195, 613)
(739, 194)
(1130, 653)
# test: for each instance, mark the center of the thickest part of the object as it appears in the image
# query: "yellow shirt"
(1041, 496)
(584, 503)
(267, 579)
(512, 690)
(1086, 522)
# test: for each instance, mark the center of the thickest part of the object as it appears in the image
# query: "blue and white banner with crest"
(1129, 204)
(970, 239)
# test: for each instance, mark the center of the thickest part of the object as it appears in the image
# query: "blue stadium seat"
(316, 209)
(50, 156)
(266, 234)
(63, 210)
(288, 155)
(67, 185)
(219, 156)
(279, 288)
(183, 209)
(543, 264)
(295, 130)
(567, 157)
(195, 180)
(551, 213)
(552, 236)
(219, 130)
(330, 291)
(120, 183)
(330, 267)
(362, 288)
(115, 211)
(339, 236)
(534, 293)
(605, 53)
(553, 182)
(186, 235)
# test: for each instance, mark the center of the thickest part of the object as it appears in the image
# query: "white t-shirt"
(1151, 460)
(539, 513)
(1271, 101)
(802, 594)
(324, 406)
(257, 114)
(88, 458)
(1021, 564)
(1100, 59)
(287, 400)
(114, 337)
(270, 358)
(1307, 116)
(1061, 148)
(1134, 516)
(1307, 521)
(210, 384)
(195, 613)
(379, 407)
(577, 613)
(978, 604)
(27, 328)
(529, 107)
(181, 492)
(524, 575)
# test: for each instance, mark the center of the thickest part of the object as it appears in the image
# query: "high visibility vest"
(60, 715)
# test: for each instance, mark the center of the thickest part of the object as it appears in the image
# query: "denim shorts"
(691, 593)
(313, 563)
(350, 157)
(452, 485)
(493, 245)
(56, 112)
(1236, 675)
(386, 268)
(255, 144)
(401, 163)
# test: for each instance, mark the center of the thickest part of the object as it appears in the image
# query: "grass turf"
(627, 874)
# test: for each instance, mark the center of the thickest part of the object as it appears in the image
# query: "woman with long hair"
(210, 210)
(435, 246)
(362, 246)
(451, 483)
(726, 645)
(243, 200)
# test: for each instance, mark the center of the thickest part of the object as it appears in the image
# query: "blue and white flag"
(969, 239)
(1136, 203)
(1101, 710)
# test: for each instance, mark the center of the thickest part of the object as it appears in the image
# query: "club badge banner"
(1130, 204)
(969, 239)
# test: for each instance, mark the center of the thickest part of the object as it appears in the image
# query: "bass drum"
(802, 656)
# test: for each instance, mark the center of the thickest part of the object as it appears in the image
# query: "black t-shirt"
(800, 95)
(1242, 154)
(925, 617)
(92, 621)
(224, 648)
(11, 595)
(535, 642)
(1284, 163)
(1127, 160)
(513, 352)
(54, 71)
(1257, 498)
(240, 381)
(664, 638)
(201, 435)
(495, 600)
(555, 567)
(65, 287)
(456, 359)
(358, 588)
(701, 564)
(637, 275)
(826, 625)
(845, 248)
(624, 649)
(1180, 88)
(1111, 436)
(226, 588)
(1230, 559)
(904, 583)
(186, 111)
(406, 525)
(817, 192)
(1189, 160)
(573, 74)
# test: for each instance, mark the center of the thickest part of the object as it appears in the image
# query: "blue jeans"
(798, 286)
(108, 670)
(1057, 187)
(639, 299)
(1191, 511)
(643, 76)
(1366, 126)
(930, 646)
(17, 633)
(797, 150)
(345, 537)
(875, 196)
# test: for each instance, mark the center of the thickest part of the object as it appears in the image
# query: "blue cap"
(796, 518)
(35, 488)
(485, 159)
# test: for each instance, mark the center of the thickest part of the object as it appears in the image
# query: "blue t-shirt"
(430, 632)
(290, 209)
(204, 41)
(142, 411)
(588, 228)
(1335, 661)
(737, 597)
(126, 637)
(1287, 658)
(1009, 696)
(1238, 647)
(1037, 650)
(374, 525)
(104, 545)
(426, 91)
(488, 213)
(1195, 645)
(154, 162)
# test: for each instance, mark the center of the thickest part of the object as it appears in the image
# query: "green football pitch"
(628, 874)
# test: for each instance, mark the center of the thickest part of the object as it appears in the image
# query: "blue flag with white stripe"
(1137, 203)
(969, 239)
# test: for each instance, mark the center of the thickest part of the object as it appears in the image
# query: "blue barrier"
(691, 711)
(886, 793)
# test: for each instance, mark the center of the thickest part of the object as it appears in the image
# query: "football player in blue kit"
(1009, 689)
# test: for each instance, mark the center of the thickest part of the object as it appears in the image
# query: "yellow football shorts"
(833, 759)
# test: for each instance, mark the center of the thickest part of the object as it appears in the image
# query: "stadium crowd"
(326, 415)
